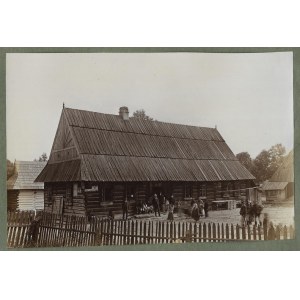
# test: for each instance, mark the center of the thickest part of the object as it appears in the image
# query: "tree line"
(264, 165)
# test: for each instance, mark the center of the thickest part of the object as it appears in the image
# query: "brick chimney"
(124, 113)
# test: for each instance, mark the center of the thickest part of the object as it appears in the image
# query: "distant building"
(280, 188)
(97, 160)
(22, 192)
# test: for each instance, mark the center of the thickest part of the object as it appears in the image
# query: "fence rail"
(27, 229)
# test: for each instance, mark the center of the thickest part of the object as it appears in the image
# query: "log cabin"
(98, 159)
(22, 192)
(280, 188)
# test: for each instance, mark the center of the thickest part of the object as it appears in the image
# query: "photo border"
(282, 245)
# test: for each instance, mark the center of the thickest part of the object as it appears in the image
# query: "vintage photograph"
(116, 149)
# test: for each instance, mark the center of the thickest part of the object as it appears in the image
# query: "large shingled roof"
(112, 149)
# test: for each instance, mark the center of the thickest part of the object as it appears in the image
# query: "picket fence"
(27, 229)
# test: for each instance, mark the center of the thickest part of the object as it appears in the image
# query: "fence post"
(284, 232)
(265, 227)
(237, 228)
(291, 230)
(227, 231)
(277, 232)
(254, 232)
(271, 233)
(33, 233)
(232, 231)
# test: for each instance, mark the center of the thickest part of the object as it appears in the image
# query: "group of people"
(250, 213)
(199, 209)
(156, 204)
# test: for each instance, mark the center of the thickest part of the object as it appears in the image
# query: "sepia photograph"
(121, 149)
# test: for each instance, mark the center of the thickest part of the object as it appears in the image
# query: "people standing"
(161, 198)
(156, 205)
(125, 208)
(201, 207)
(195, 212)
(206, 208)
(171, 208)
(243, 213)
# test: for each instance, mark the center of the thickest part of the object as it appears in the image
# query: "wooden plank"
(237, 230)
(209, 232)
(285, 234)
(232, 231)
(204, 233)
(214, 231)
(259, 230)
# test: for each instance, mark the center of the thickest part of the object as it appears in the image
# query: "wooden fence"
(25, 229)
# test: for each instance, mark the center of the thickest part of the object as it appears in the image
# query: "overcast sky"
(248, 96)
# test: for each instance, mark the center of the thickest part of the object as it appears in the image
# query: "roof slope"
(270, 186)
(112, 149)
(25, 175)
(285, 173)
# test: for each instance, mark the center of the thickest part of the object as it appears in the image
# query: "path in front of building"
(277, 215)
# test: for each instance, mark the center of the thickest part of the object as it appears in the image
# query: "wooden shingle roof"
(112, 149)
(25, 175)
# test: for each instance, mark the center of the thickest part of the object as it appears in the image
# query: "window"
(202, 192)
(75, 189)
(108, 193)
(188, 190)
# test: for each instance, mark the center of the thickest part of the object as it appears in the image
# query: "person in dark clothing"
(195, 212)
(125, 207)
(206, 208)
(171, 208)
(243, 213)
(156, 205)
(161, 198)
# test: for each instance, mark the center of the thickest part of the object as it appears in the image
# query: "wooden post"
(248, 232)
(265, 227)
(163, 232)
(237, 229)
(167, 232)
(232, 231)
(271, 233)
(292, 233)
(149, 232)
(179, 231)
(214, 231)
(277, 232)
(209, 232)
(223, 232)
(204, 232)
(200, 232)
(227, 231)
(259, 232)
(243, 232)
(284, 232)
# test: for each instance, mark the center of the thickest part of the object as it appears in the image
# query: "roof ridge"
(141, 120)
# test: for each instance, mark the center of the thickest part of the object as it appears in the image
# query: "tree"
(141, 114)
(267, 162)
(10, 169)
(246, 160)
(43, 157)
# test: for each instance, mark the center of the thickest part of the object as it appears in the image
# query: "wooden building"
(280, 188)
(99, 159)
(22, 192)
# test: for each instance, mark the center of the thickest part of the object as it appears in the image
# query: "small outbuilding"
(22, 192)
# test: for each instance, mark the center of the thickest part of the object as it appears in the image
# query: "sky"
(249, 97)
